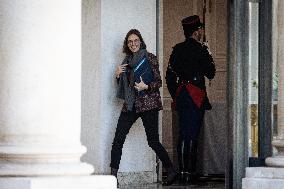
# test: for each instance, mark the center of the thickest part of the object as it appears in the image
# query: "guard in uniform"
(189, 64)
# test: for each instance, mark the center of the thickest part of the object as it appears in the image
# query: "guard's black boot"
(186, 168)
(193, 179)
(182, 161)
(172, 176)
(114, 173)
(193, 175)
(185, 160)
(181, 167)
(181, 179)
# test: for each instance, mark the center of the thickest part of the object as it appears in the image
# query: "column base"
(276, 161)
(45, 169)
(75, 182)
(263, 178)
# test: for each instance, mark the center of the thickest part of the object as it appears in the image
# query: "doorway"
(212, 150)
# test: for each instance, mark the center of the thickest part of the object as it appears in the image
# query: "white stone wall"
(105, 24)
(90, 135)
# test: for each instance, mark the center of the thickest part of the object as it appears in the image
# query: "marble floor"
(159, 186)
(205, 183)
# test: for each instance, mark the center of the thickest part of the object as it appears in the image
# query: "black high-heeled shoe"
(172, 176)
(114, 173)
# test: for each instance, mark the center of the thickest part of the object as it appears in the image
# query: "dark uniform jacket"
(190, 61)
(151, 99)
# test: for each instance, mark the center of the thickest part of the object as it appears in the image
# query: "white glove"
(206, 44)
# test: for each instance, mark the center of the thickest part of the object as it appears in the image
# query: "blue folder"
(144, 70)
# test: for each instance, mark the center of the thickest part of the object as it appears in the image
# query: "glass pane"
(253, 80)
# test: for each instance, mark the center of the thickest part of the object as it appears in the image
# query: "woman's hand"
(120, 69)
(141, 86)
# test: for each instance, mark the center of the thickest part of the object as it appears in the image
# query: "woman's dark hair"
(135, 32)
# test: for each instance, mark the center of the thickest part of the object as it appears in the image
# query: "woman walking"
(139, 81)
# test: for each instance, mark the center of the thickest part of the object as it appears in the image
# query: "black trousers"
(150, 122)
(190, 122)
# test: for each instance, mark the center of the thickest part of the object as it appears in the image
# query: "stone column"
(272, 176)
(278, 159)
(40, 97)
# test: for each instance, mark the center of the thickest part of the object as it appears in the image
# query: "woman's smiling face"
(133, 43)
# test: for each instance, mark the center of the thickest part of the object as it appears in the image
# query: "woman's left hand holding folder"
(141, 85)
